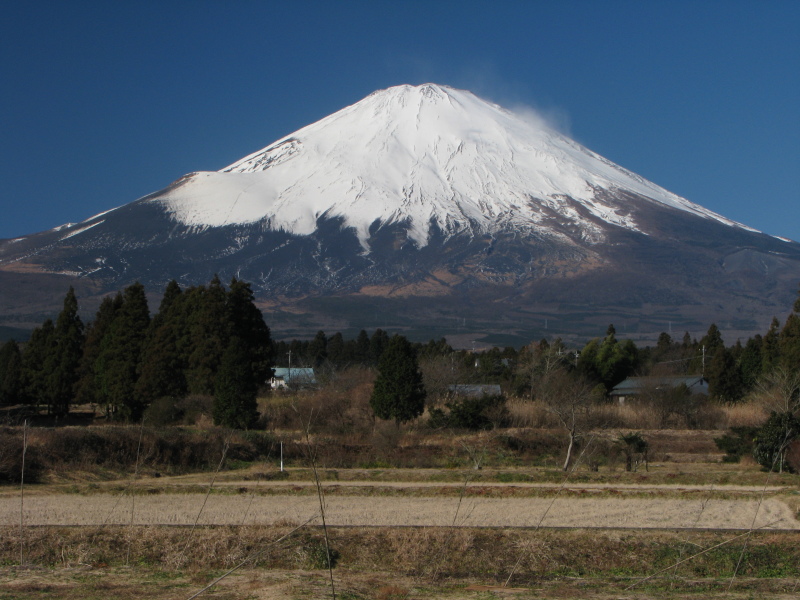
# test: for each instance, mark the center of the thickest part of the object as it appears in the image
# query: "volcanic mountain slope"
(425, 208)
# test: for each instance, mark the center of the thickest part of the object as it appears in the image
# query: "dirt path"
(183, 509)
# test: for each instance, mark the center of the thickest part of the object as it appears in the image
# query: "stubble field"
(687, 527)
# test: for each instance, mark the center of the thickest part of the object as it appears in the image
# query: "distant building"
(292, 377)
(633, 387)
(474, 391)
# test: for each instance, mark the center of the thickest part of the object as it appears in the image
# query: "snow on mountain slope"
(419, 155)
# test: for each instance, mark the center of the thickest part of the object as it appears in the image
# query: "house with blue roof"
(634, 387)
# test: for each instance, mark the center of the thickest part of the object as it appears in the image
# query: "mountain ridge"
(426, 194)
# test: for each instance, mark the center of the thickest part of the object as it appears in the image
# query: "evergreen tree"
(398, 393)
(317, 349)
(769, 350)
(246, 323)
(120, 352)
(724, 377)
(789, 340)
(64, 361)
(161, 372)
(751, 362)
(609, 361)
(707, 348)
(336, 350)
(712, 340)
(208, 334)
(10, 373)
(361, 352)
(235, 403)
(377, 344)
(37, 355)
(87, 386)
(773, 439)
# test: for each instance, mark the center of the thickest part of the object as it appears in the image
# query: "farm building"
(294, 377)
(474, 391)
(634, 387)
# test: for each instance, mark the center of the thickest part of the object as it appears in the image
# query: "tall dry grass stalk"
(312, 456)
(133, 496)
(22, 495)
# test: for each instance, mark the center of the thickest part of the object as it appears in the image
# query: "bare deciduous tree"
(779, 391)
(569, 399)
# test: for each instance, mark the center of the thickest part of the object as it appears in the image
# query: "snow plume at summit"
(422, 156)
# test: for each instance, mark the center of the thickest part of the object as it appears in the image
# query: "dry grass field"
(687, 526)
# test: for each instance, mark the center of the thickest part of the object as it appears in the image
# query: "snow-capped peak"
(418, 155)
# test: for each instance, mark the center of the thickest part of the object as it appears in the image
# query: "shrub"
(773, 439)
(475, 412)
(11, 466)
(162, 411)
(737, 443)
(635, 449)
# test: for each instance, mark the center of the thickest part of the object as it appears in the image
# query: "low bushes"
(120, 448)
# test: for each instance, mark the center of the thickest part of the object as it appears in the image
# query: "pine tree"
(398, 393)
(235, 403)
(377, 344)
(207, 336)
(10, 373)
(120, 352)
(751, 362)
(87, 391)
(162, 366)
(336, 350)
(64, 361)
(724, 377)
(789, 340)
(361, 351)
(246, 323)
(770, 351)
(317, 349)
(37, 355)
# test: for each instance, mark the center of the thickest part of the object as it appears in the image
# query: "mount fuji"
(426, 209)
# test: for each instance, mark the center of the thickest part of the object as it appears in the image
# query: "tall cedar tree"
(317, 350)
(377, 344)
(235, 389)
(335, 350)
(87, 390)
(10, 373)
(724, 377)
(789, 339)
(207, 338)
(246, 323)
(398, 393)
(162, 367)
(61, 366)
(120, 353)
(361, 350)
(769, 349)
(751, 361)
(35, 358)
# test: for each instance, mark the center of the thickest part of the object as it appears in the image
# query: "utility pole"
(703, 369)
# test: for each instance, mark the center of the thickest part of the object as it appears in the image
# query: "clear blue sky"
(103, 102)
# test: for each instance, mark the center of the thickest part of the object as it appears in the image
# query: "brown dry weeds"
(89, 563)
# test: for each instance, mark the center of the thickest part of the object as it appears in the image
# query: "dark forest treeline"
(204, 340)
(211, 341)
